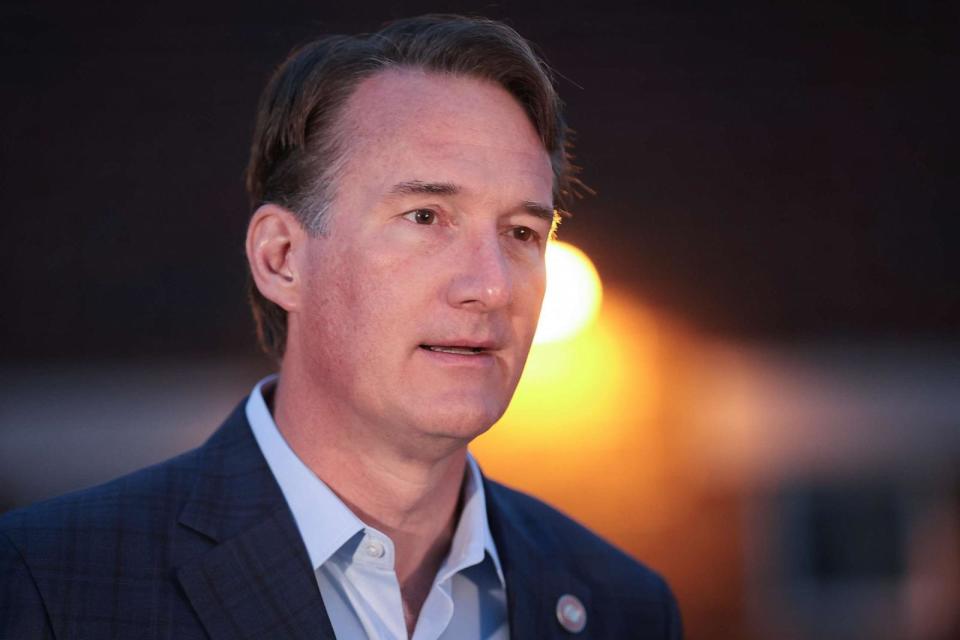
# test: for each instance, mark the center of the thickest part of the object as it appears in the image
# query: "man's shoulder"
(565, 541)
(142, 503)
(73, 562)
(100, 562)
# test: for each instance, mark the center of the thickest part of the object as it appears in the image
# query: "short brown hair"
(297, 151)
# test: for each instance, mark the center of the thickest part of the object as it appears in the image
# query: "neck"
(411, 496)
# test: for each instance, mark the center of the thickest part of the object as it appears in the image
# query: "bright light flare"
(572, 299)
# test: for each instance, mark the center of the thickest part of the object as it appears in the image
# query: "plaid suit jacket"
(204, 546)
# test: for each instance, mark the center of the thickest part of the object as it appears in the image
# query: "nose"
(482, 279)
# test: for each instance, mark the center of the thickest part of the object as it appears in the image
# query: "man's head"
(300, 144)
(400, 230)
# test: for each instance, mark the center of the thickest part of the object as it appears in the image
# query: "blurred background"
(763, 402)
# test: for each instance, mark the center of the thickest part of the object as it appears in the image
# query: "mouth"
(455, 349)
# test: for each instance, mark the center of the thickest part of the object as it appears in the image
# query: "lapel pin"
(571, 613)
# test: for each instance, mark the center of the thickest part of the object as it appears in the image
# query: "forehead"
(404, 121)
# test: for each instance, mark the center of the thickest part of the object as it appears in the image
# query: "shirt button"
(374, 548)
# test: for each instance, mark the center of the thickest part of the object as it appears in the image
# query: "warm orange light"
(573, 293)
(580, 429)
(603, 375)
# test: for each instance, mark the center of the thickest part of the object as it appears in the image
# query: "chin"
(461, 422)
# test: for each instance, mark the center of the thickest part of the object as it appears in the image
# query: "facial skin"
(435, 238)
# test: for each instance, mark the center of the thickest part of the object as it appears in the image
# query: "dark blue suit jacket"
(204, 546)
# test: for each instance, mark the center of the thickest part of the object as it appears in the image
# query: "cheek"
(400, 273)
(530, 289)
(532, 294)
(332, 302)
(365, 299)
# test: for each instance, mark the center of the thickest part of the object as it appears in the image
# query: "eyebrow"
(540, 210)
(413, 187)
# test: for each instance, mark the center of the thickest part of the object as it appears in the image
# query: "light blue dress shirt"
(354, 563)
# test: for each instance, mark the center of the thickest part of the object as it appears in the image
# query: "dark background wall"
(771, 172)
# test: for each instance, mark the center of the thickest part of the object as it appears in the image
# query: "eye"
(523, 234)
(421, 216)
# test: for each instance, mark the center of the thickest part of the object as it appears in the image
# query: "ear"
(274, 237)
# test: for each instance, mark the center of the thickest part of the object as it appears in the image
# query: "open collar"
(326, 524)
(257, 579)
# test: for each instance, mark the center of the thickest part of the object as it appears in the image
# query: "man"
(404, 188)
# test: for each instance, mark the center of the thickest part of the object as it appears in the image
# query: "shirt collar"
(326, 523)
(472, 538)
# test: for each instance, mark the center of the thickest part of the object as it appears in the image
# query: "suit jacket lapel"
(257, 581)
(535, 574)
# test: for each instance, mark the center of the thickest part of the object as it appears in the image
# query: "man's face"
(422, 296)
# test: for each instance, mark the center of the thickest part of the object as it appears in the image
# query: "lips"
(456, 350)
(460, 346)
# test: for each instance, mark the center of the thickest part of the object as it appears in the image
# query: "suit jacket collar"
(535, 568)
(257, 581)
